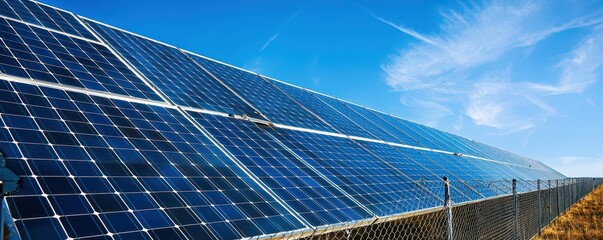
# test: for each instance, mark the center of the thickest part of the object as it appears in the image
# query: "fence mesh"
(507, 209)
(584, 220)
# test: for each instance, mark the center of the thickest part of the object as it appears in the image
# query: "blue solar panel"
(378, 186)
(423, 132)
(276, 105)
(299, 185)
(388, 126)
(435, 139)
(32, 52)
(93, 166)
(418, 167)
(333, 117)
(461, 172)
(445, 141)
(174, 73)
(464, 145)
(493, 153)
(376, 131)
(405, 133)
(42, 15)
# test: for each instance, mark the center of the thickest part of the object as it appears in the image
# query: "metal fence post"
(550, 191)
(574, 190)
(539, 208)
(564, 194)
(558, 200)
(515, 209)
(571, 192)
(448, 207)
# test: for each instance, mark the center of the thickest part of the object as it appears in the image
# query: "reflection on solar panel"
(122, 137)
(299, 185)
(376, 184)
(273, 103)
(31, 52)
(328, 114)
(43, 15)
(174, 73)
(127, 167)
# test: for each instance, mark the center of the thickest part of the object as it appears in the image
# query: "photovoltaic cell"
(376, 131)
(461, 172)
(32, 52)
(415, 165)
(457, 142)
(274, 104)
(525, 168)
(422, 132)
(494, 153)
(42, 15)
(448, 142)
(299, 185)
(174, 73)
(372, 182)
(372, 116)
(405, 132)
(94, 167)
(335, 119)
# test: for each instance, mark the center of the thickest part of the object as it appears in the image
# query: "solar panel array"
(117, 136)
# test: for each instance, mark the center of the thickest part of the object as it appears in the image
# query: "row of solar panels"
(122, 137)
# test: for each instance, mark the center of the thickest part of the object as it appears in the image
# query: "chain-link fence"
(584, 220)
(508, 209)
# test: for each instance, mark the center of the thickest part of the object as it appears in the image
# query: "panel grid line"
(124, 61)
(50, 29)
(245, 169)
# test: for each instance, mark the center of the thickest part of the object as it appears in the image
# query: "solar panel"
(376, 131)
(381, 121)
(274, 104)
(317, 200)
(124, 137)
(97, 167)
(459, 143)
(334, 118)
(45, 16)
(417, 167)
(493, 153)
(438, 140)
(31, 52)
(174, 73)
(371, 181)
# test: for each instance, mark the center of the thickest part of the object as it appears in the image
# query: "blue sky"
(520, 75)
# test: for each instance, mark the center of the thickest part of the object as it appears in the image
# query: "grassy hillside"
(584, 220)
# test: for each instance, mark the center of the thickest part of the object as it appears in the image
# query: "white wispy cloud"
(296, 14)
(461, 64)
(499, 103)
(579, 68)
(268, 42)
(275, 36)
(409, 31)
(255, 64)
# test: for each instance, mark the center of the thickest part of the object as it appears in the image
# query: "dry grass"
(584, 220)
